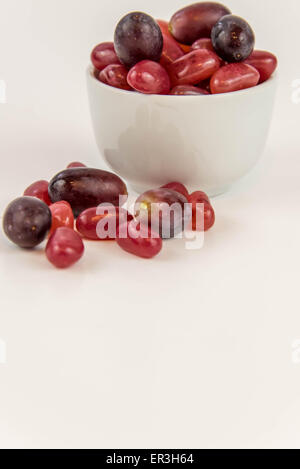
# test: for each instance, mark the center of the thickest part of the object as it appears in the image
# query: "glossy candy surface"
(171, 51)
(86, 187)
(62, 215)
(177, 187)
(76, 164)
(27, 221)
(149, 77)
(144, 243)
(104, 54)
(234, 77)
(203, 217)
(188, 90)
(64, 248)
(87, 224)
(198, 197)
(138, 37)
(115, 75)
(196, 21)
(153, 209)
(39, 190)
(233, 38)
(203, 43)
(194, 67)
(264, 62)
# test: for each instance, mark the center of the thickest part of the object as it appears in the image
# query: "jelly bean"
(149, 77)
(196, 21)
(64, 248)
(233, 38)
(203, 215)
(88, 226)
(185, 90)
(203, 43)
(164, 26)
(27, 221)
(62, 215)
(163, 210)
(86, 187)
(198, 197)
(171, 51)
(104, 54)
(138, 241)
(138, 37)
(264, 62)
(115, 75)
(234, 77)
(39, 190)
(193, 67)
(76, 164)
(177, 187)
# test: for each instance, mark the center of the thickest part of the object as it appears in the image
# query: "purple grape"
(27, 221)
(138, 37)
(233, 38)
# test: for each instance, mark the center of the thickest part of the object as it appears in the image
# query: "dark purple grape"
(138, 37)
(196, 21)
(27, 221)
(233, 38)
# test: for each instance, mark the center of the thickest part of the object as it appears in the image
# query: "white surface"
(192, 349)
(199, 142)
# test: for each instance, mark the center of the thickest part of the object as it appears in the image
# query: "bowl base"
(211, 193)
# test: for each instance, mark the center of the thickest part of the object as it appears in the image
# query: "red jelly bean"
(76, 164)
(203, 215)
(115, 75)
(185, 90)
(194, 67)
(177, 187)
(164, 27)
(104, 54)
(64, 248)
(203, 43)
(109, 217)
(149, 77)
(39, 190)
(234, 77)
(198, 197)
(141, 242)
(264, 62)
(171, 51)
(62, 215)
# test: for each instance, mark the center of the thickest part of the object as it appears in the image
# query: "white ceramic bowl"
(205, 142)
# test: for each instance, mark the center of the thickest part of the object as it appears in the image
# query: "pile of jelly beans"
(202, 50)
(65, 212)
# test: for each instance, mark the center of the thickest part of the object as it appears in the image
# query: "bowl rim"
(253, 90)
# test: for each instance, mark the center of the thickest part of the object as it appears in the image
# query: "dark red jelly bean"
(115, 75)
(27, 221)
(64, 248)
(149, 77)
(198, 197)
(203, 43)
(196, 20)
(177, 187)
(104, 54)
(187, 90)
(194, 67)
(76, 164)
(164, 26)
(264, 62)
(88, 225)
(171, 51)
(39, 190)
(234, 77)
(62, 215)
(164, 210)
(140, 241)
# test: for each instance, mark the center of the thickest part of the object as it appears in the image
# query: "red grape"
(115, 75)
(104, 54)
(149, 77)
(234, 77)
(64, 248)
(39, 190)
(264, 62)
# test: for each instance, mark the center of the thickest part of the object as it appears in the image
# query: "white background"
(191, 349)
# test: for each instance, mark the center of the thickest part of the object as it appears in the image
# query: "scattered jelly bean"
(64, 248)
(87, 224)
(39, 190)
(139, 241)
(62, 215)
